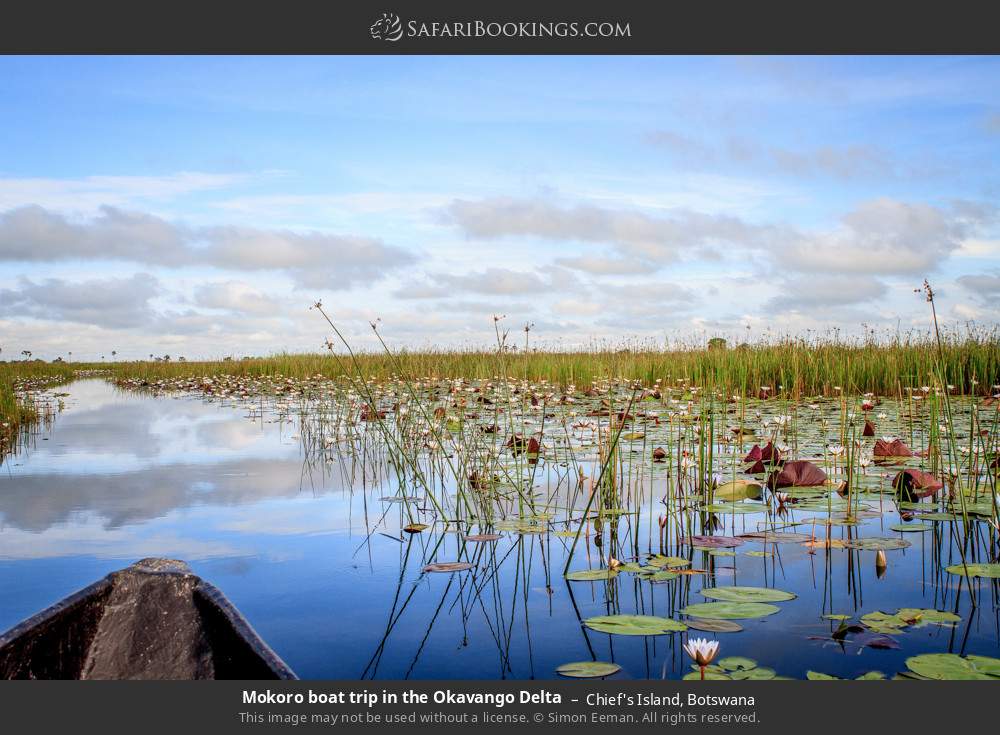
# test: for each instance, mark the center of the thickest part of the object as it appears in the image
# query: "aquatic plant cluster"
(668, 486)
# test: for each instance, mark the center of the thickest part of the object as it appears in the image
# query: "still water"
(316, 562)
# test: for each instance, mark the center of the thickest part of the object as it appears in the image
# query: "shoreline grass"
(972, 364)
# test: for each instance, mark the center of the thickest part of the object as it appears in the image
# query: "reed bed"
(792, 367)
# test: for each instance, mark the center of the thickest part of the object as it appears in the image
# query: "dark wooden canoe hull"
(153, 620)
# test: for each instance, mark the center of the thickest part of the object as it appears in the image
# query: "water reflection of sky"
(120, 477)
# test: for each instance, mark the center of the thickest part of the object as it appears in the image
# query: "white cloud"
(312, 259)
(106, 302)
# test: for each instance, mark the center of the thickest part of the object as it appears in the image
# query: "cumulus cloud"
(985, 286)
(311, 259)
(105, 302)
(635, 234)
(235, 296)
(886, 236)
(882, 236)
(809, 293)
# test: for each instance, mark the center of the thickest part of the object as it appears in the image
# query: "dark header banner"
(511, 27)
(513, 707)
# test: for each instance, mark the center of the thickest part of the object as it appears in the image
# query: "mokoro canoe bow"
(153, 620)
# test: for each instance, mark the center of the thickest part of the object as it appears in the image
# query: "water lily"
(702, 651)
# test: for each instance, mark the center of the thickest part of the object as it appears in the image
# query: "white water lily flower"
(701, 650)
(835, 449)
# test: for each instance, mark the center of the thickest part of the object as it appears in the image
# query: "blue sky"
(198, 206)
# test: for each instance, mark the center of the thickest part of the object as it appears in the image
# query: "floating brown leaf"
(895, 448)
(448, 566)
(799, 473)
(916, 484)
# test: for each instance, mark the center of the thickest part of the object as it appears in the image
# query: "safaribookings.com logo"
(387, 28)
(390, 28)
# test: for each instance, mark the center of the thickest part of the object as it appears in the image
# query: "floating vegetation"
(988, 571)
(748, 477)
(711, 625)
(448, 566)
(746, 594)
(590, 575)
(949, 666)
(730, 610)
(634, 625)
(588, 669)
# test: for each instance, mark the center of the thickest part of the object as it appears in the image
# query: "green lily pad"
(836, 616)
(926, 616)
(712, 625)
(631, 567)
(948, 666)
(990, 571)
(911, 527)
(871, 676)
(938, 517)
(709, 676)
(876, 544)
(986, 664)
(672, 562)
(634, 624)
(746, 594)
(737, 490)
(588, 669)
(736, 663)
(819, 676)
(761, 673)
(590, 575)
(734, 508)
(730, 610)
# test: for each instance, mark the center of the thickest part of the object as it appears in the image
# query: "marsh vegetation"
(791, 505)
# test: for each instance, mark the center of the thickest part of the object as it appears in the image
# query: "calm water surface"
(121, 476)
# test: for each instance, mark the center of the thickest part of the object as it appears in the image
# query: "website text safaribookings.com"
(529, 29)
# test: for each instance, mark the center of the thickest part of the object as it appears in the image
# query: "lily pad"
(990, 571)
(709, 676)
(712, 542)
(670, 562)
(448, 566)
(588, 669)
(737, 490)
(819, 676)
(734, 508)
(713, 625)
(590, 575)
(730, 610)
(737, 663)
(911, 527)
(876, 544)
(949, 666)
(777, 537)
(634, 624)
(746, 594)
(482, 537)
(760, 673)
